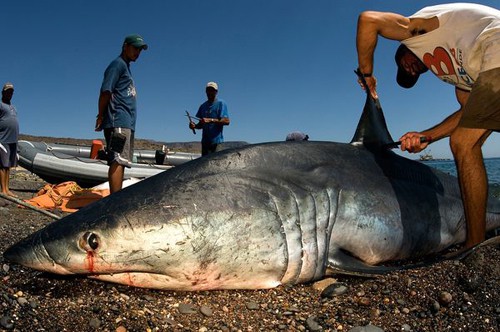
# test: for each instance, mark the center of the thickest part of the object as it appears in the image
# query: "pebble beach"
(447, 296)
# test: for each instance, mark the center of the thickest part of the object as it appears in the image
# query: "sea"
(448, 166)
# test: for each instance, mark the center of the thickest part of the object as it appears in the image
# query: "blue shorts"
(8, 155)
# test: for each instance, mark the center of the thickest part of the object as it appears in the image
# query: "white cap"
(213, 85)
(8, 86)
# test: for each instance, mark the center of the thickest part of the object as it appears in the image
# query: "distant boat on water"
(426, 156)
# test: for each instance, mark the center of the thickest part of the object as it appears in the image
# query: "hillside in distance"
(140, 143)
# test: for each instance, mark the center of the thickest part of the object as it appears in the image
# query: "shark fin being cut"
(372, 129)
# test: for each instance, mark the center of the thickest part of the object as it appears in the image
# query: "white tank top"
(466, 42)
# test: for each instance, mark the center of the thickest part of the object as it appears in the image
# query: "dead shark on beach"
(262, 215)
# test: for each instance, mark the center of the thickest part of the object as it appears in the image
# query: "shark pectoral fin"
(461, 254)
(341, 262)
(492, 241)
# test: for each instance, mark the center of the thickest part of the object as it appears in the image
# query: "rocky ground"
(448, 296)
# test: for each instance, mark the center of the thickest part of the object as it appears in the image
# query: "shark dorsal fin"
(372, 129)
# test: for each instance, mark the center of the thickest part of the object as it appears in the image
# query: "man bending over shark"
(460, 44)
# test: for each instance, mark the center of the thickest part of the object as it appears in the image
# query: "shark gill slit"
(326, 221)
(308, 218)
(290, 273)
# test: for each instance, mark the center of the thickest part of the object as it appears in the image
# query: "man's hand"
(98, 123)
(371, 82)
(413, 142)
(104, 99)
(192, 125)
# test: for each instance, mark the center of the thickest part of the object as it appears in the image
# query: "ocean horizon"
(448, 166)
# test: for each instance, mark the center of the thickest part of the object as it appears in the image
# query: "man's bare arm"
(104, 99)
(411, 140)
(371, 24)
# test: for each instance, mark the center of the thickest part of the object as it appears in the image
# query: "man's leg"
(115, 177)
(117, 160)
(466, 146)
(4, 180)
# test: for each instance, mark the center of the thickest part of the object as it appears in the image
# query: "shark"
(263, 215)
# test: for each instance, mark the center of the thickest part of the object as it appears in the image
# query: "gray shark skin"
(257, 217)
(260, 216)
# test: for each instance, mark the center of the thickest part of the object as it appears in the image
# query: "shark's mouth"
(136, 279)
(165, 282)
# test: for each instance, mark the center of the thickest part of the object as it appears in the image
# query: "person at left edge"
(118, 110)
(9, 134)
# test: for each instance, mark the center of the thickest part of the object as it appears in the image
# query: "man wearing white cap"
(212, 115)
(9, 133)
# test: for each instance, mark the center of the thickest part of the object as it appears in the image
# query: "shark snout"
(32, 253)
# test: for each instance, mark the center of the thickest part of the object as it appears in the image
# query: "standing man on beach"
(9, 134)
(213, 116)
(460, 44)
(117, 110)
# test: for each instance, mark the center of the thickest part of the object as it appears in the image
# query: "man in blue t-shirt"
(9, 134)
(117, 110)
(212, 116)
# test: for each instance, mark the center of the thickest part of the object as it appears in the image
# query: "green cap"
(136, 41)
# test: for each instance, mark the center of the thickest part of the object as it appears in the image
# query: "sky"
(281, 66)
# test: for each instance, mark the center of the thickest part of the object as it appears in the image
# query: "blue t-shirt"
(9, 126)
(121, 110)
(212, 133)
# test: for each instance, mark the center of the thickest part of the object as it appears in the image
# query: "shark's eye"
(89, 241)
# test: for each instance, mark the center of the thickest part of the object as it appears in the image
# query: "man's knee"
(466, 140)
(458, 144)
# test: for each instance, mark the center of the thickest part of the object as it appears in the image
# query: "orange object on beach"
(96, 146)
(67, 196)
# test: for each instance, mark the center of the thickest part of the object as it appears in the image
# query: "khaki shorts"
(483, 106)
(126, 156)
